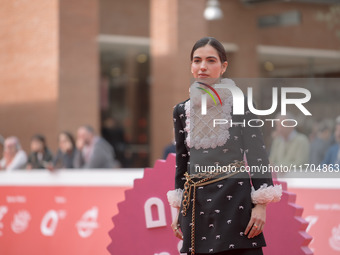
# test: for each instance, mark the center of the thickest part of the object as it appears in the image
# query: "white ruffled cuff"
(265, 194)
(175, 197)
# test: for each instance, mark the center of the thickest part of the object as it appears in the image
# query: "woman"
(13, 156)
(66, 151)
(218, 213)
(40, 157)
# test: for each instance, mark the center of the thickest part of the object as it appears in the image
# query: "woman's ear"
(224, 66)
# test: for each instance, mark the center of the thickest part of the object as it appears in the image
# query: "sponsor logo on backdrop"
(88, 222)
(16, 199)
(20, 221)
(334, 240)
(3, 211)
(50, 221)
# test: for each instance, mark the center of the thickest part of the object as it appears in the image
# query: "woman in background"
(66, 151)
(40, 157)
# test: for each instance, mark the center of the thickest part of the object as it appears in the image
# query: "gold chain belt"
(189, 184)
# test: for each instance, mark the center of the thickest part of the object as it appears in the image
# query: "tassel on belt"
(191, 185)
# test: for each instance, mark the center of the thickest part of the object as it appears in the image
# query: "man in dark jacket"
(93, 151)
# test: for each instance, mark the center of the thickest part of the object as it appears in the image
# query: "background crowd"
(91, 151)
(290, 147)
(88, 151)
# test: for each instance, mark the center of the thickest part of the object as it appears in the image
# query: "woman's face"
(207, 64)
(37, 146)
(9, 149)
(65, 144)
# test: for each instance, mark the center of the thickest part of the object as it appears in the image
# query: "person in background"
(321, 143)
(333, 153)
(66, 151)
(14, 157)
(170, 148)
(289, 147)
(93, 151)
(113, 133)
(2, 141)
(40, 157)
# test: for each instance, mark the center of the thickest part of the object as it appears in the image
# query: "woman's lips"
(203, 75)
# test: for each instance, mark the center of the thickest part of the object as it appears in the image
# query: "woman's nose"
(203, 66)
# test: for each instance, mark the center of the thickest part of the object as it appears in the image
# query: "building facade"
(69, 63)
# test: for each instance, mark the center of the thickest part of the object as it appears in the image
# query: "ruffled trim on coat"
(217, 136)
(266, 194)
(175, 197)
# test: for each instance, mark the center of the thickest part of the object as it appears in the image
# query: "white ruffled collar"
(201, 133)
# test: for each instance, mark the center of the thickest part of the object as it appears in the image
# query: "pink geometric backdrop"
(142, 225)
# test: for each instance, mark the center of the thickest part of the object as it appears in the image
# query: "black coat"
(223, 209)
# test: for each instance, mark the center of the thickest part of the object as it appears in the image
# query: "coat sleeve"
(182, 157)
(263, 190)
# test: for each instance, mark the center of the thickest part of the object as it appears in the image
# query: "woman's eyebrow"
(206, 57)
(212, 57)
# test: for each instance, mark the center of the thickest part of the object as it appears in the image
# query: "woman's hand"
(49, 166)
(257, 220)
(174, 226)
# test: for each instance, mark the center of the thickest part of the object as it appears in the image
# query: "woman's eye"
(196, 61)
(212, 60)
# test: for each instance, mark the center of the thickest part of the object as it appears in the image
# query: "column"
(175, 26)
(79, 65)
